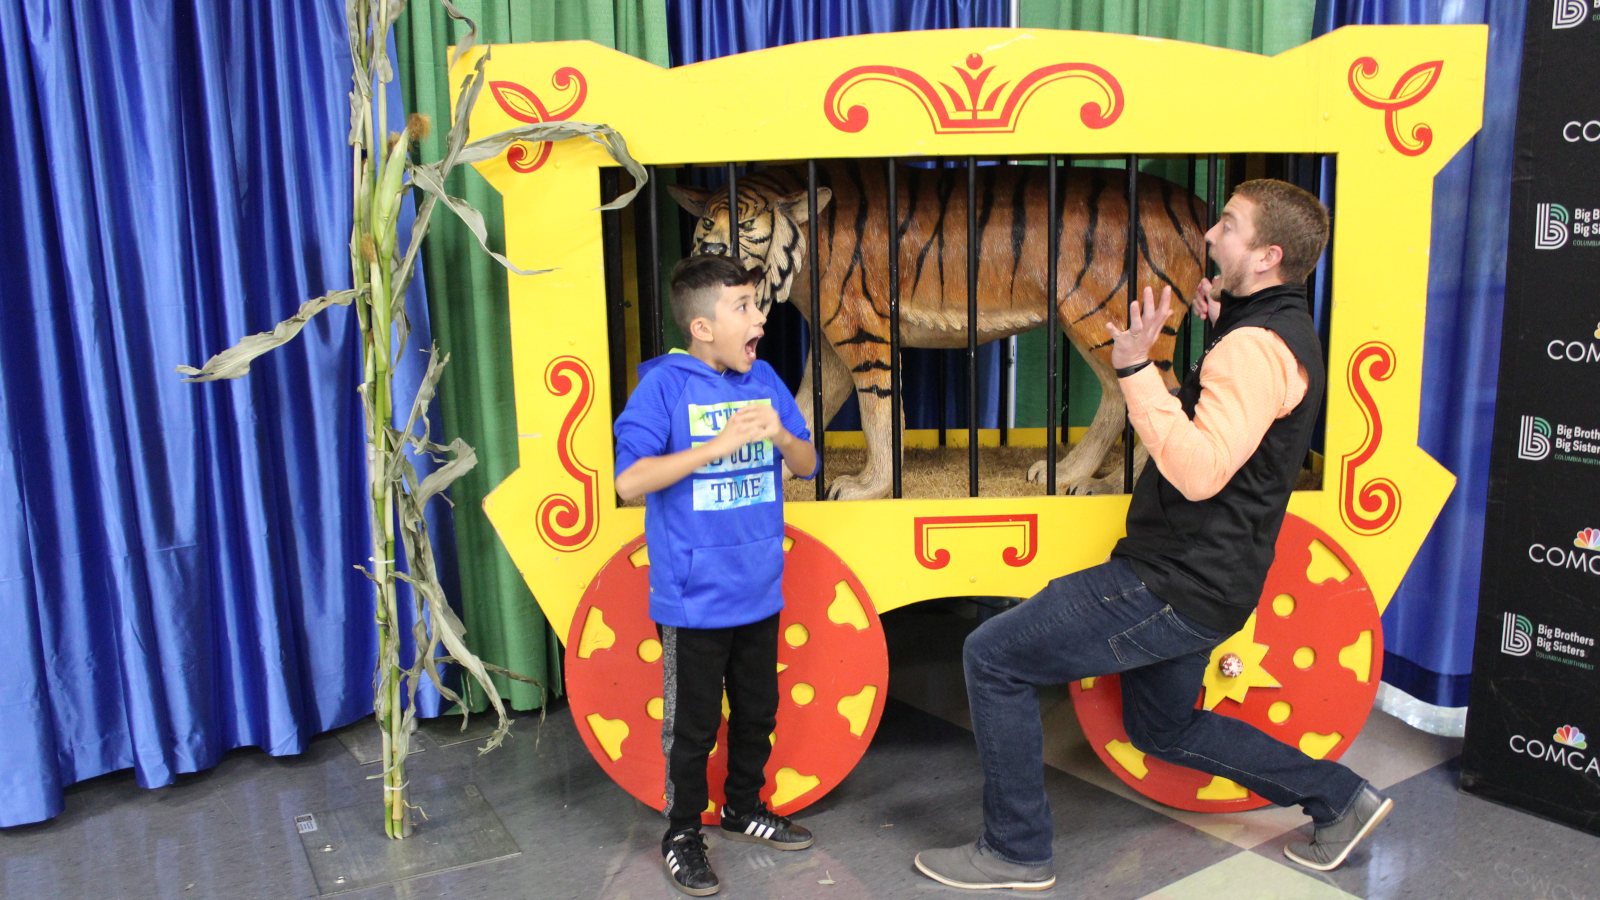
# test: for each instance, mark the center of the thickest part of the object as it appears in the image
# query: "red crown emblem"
(974, 107)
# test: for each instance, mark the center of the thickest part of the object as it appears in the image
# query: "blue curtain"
(1428, 629)
(705, 29)
(176, 560)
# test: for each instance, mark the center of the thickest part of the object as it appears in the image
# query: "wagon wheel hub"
(1236, 667)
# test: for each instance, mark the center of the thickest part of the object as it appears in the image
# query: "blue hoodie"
(716, 537)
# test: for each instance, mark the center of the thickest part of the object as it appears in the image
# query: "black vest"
(1209, 558)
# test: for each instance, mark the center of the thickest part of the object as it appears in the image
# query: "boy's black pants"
(696, 664)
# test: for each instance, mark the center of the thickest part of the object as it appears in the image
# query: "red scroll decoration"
(1408, 91)
(971, 111)
(924, 527)
(523, 105)
(562, 522)
(1374, 506)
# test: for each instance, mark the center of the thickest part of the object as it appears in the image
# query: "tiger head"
(771, 229)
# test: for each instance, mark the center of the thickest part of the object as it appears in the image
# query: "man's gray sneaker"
(1333, 843)
(975, 866)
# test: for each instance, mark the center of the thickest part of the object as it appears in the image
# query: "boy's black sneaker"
(685, 855)
(763, 826)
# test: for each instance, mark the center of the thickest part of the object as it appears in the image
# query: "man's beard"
(1231, 281)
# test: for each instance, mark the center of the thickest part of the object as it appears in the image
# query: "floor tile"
(1247, 876)
(1444, 844)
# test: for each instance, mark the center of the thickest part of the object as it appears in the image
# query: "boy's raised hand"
(744, 426)
(762, 419)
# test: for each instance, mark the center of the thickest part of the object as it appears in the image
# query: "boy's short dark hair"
(697, 282)
(1291, 218)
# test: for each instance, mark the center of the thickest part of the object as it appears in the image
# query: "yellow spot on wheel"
(803, 693)
(858, 709)
(791, 784)
(846, 609)
(649, 650)
(610, 733)
(796, 635)
(787, 543)
(1279, 712)
(1087, 684)
(726, 709)
(714, 748)
(782, 666)
(1283, 605)
(1316, 745)
(1305, 658)
(1221, 789)
(641, 556)
(1129, 757)
(653, 708)
(773, 739)
(1358, 657)
(1324, 565)
(596, 636)
(711, 806)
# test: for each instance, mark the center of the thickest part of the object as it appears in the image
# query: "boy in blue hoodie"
(704, 438)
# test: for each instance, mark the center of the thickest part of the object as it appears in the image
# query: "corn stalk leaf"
(471, 86)
(234, 362)
(471, 38)
(427, 178)
(604, 135)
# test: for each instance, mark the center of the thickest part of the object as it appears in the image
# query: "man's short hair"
(1291, 218)
(697, 282)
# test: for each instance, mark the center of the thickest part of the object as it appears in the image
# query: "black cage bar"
(894, 329)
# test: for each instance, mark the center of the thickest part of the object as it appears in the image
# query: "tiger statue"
(852, 253)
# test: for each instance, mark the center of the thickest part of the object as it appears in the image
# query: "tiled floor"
(229, 832)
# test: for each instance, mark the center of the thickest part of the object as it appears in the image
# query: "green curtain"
(1256, 26)
(467, 303)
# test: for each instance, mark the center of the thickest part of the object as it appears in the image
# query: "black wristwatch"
(1129, 370)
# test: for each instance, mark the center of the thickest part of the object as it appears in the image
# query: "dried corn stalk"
(381, 174)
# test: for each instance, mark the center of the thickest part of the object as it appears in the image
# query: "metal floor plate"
(348, 850)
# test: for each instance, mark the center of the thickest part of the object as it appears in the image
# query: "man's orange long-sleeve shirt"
(1247, 381)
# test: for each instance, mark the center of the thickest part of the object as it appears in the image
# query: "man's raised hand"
(1208, 308)
(1145, 321)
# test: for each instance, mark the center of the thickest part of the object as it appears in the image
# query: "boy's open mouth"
(750, 348)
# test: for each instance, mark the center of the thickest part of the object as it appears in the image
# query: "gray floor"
(229, 832)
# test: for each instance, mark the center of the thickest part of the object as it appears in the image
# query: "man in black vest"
(1225, 453)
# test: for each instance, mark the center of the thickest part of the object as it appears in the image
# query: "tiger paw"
(855, 487)
(1091, 487)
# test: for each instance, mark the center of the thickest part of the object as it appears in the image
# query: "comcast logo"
(1569, 13)
(1572, 737)
(1533, 440)
(1516, 635)
(1550, 224)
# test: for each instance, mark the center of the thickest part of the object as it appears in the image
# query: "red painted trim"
(524, 105)
(1375, 506)
(563, 523)
(1415, 84)
(965, 114)
(924, 526)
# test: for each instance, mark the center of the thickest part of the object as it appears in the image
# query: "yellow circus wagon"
(1384, 107)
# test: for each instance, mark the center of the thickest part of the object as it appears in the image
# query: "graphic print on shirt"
(733, 491)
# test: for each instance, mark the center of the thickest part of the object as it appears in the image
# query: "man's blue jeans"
(1103, 621)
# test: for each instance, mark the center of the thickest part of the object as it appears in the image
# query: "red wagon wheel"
(833, 673)
(1308, 667)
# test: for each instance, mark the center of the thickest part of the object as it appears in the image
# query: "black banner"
(1533, 722)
